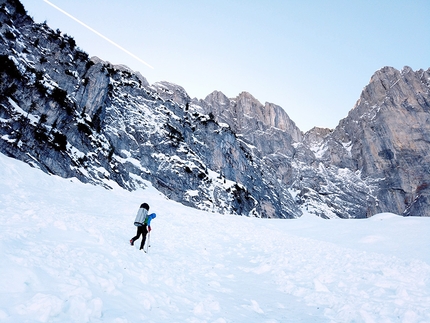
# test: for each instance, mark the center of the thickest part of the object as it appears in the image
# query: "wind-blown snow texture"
(66, 258)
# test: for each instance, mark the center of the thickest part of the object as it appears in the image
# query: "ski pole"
(148, 244)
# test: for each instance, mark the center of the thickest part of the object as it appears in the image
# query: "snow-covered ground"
(65, 257)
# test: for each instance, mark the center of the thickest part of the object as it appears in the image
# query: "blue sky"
(312, 58)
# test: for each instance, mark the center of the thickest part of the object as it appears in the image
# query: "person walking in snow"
(143, 223)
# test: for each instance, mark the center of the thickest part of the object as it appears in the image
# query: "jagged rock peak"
(241, 111)
(278, 118)
(171, 91)
(244, 95)
(389, 81)
(219, 97)
(122, 68)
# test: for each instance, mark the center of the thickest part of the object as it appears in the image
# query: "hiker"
(142, 221)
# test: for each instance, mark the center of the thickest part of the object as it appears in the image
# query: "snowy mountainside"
(385, 139)
(82, 117)
(78, 117)
(66, 258)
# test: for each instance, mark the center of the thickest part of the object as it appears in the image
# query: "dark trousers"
(143, 230)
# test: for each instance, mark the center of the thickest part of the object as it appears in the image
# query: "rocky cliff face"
(388, 133)
(78, 117)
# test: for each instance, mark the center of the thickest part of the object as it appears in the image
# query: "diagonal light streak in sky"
(98, 34)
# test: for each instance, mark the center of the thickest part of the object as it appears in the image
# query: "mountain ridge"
(76, 116)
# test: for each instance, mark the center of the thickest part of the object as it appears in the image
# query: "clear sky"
(312, 58)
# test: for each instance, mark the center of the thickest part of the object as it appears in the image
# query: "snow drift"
(66, 257)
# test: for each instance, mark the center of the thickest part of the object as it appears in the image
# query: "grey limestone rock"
(76, 116)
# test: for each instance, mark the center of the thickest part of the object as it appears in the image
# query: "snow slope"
(65, 257)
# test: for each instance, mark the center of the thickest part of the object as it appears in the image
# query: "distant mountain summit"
(82, 117)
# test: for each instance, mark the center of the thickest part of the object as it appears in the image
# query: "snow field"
(66, 258)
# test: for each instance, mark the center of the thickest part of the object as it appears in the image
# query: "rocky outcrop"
(384, 141)
(78, 117)
(388, 135)
(74, 116)
(248, 117)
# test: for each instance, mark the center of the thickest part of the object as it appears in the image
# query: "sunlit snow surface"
(65, 257)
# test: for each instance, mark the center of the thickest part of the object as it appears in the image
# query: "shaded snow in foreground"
(65, 257)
